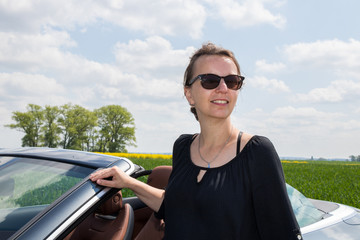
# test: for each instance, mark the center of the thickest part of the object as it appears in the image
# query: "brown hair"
(206, 49)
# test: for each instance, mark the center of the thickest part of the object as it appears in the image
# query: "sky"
(301, 60)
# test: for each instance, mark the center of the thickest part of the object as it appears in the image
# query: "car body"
(46, 194)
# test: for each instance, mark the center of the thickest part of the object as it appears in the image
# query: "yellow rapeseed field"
(141, 155)
(292, 161)
(167, 156)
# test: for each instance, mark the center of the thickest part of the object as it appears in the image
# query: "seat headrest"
(112, 205)
(159, 176)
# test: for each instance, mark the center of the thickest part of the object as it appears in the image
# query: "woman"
(225, 184)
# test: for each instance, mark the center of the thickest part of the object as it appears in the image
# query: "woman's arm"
(151, 196)
(274, 213)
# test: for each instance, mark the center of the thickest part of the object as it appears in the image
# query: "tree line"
(107, 129)
(354, 158)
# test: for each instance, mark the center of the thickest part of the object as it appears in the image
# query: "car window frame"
(94, 193)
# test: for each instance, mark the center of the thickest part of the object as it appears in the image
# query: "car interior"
(147, 225)
(112, 220)
(116, 218)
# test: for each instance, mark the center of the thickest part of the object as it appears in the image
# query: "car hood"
(343, 224)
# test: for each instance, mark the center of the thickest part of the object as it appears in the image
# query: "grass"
(37, 188)
(147, 163)
(331, 181)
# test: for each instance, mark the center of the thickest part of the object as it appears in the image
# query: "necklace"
(202, 158)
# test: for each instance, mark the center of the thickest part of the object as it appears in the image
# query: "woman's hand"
(116, 178)
(111, 177)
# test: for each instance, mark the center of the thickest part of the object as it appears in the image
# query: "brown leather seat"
(159, 176)
(112, 220)
(154, 227)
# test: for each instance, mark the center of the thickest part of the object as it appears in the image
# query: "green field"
(326, 180)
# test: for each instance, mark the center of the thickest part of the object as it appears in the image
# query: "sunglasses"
(212, 81)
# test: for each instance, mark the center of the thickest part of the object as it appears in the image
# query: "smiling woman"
(219, 164)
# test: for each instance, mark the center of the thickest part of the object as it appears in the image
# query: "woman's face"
(212, 103)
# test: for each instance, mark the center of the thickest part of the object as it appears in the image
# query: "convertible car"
(46, 194)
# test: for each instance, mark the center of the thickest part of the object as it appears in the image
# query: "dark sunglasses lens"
(233, 82)
(210, 81)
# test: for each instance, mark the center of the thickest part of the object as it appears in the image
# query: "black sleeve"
(178, 146)
(274, 215)
(161, 213)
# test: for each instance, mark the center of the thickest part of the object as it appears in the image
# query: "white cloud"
(304, 121)
(33, 51)
(171, 18)
(263, 66)
(17, 90)
(339, 56)
(161, 17)
(155, 17)
(247, 13)
(45, 57)
(295, 122)
(21, 84)
(160, 124)
(153, 53)
(290, 112)
(325, 52)
(271, 85)
(337, 91)
(304, 131)
(34, 15)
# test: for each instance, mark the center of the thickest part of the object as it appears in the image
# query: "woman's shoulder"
(256, 141)
(183, 140)
(180, 143)
(184, 137)
(260, 150)
(258, 147)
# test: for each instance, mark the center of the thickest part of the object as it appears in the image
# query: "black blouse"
(244, 199)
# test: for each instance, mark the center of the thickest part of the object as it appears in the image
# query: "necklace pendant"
(208, 162)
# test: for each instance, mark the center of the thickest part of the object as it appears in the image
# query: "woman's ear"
(188, 95)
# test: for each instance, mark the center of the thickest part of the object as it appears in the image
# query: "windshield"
(28, 185)
(306, 213)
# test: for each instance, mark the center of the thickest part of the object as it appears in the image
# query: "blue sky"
(301, 60)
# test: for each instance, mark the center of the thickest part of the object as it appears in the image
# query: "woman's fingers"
(106, 183)
(104, 173)
(110, 177)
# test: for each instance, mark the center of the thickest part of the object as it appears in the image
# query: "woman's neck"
(214, 134)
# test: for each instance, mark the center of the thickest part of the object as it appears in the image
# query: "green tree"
(51, 130)
(355, 158)
(90, 142)
(30, 123)
(116, 128)
(75, 121)
(109, 128)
